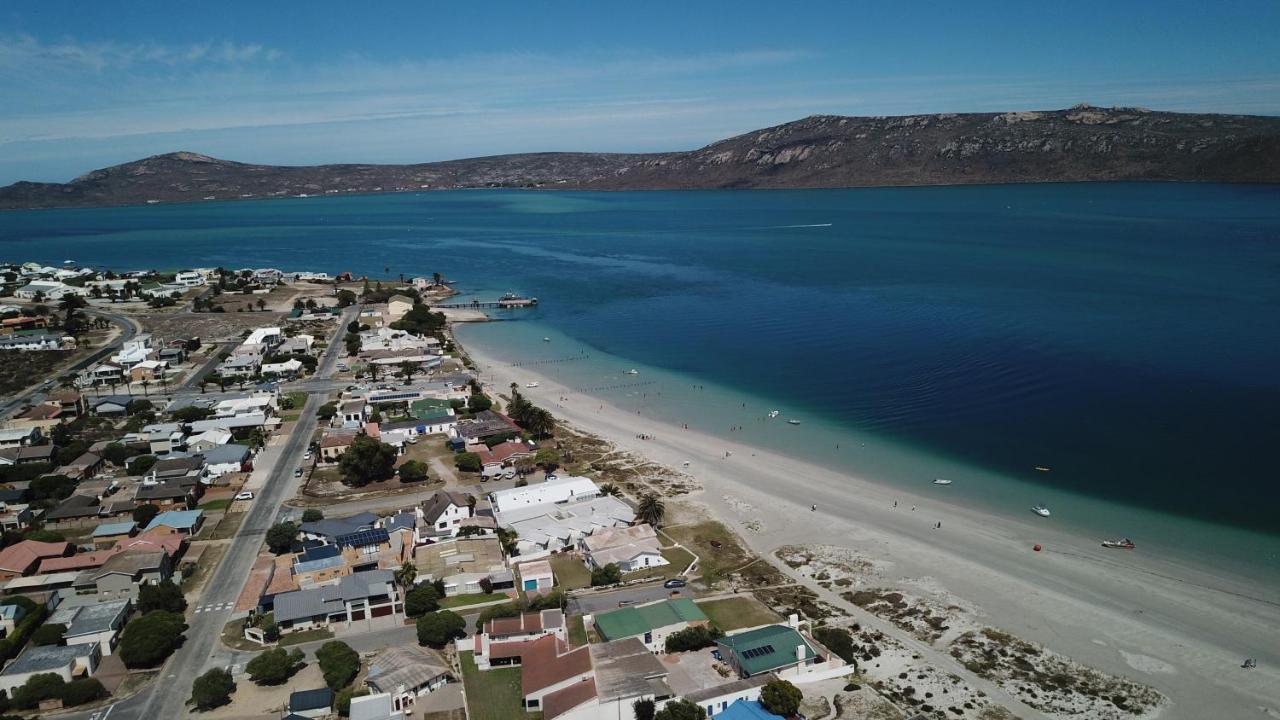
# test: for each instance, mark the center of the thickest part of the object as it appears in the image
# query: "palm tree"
(374, 369)
(145, 382)
(471, 504)
(204, 382)
(610, 489)
(651, 509)
(408, 370)
(406, 574)
(262, 304)
(539, 422)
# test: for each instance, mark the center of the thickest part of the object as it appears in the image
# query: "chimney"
(793, 620)
(800, 653)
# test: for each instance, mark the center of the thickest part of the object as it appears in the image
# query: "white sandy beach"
(1183, 630)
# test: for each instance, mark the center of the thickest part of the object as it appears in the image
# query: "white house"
(554, 490)
(42, 341)
(208, 439)
(189, 278)
(98, 623)
(46, 289)
(443, 514)
(630, 548)
(288, 368)
(67, 662)
(536, 576)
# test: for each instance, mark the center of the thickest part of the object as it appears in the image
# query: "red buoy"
(1036, 547)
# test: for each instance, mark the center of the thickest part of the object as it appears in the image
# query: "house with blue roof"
(108, 534)
(182, 522)
(746, 710)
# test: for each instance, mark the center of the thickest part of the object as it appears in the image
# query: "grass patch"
(297, 400)
(492, 694)
(577, 631)
(736, 613)
(723, 556)
(290, 417)
(222, 504)
(570, 572)
(233, 637)
(458, 601)
(305, 636)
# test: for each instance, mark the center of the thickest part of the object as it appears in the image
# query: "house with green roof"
(652, 623)
(428, 408)
(771, 648)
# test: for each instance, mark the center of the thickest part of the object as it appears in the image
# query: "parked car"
(246, 495)
(626, 603)
(306, 455)
(675, 583)
(297, 472)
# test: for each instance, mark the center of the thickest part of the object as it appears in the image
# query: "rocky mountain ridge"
(1083, 143)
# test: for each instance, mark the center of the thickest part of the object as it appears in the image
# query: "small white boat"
(941, 481)
(1040, 510)
(773, 413)
(1121, 544)
(546, 339)
(531, 384)
(793, 422)
(632, 371)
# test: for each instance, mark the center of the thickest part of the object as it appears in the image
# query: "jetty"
(506, 301)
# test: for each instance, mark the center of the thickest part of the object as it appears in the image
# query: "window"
(532, 703)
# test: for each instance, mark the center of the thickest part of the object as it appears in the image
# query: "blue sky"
(84, 85)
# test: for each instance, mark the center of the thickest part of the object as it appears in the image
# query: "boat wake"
(789, 227)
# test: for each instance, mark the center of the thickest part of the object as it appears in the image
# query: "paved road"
(584, 603)
(167, 697)
(129, 328)
(193, 380)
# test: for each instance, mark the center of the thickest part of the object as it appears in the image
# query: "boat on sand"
(1040, 510)
(941, 481)
(1121, 544)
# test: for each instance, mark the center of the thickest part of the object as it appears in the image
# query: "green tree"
(413, 471)
(468, 462)
(342, 701)
(366, 460)
(610, 489)
(781, 697)
(327, 411)
(540, 423)
(839, 641)
(52, 487)
(144, 514)
(421, 321)
(406, 573)
(141, 464)
(610, 574)
(421, 600)
(281, 536)
(274, 666)
(312, 515)
(339, 664)
(681, 710)
(163, 596)
(117, 454)
(148, 639)
(440, 628)
(48, 634)
(270, 630)
(651, 509)
(212, 689)
(694, 637)
(478, 402)
(37, 689)
(345, 298)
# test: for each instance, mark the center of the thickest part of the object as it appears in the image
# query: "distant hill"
(1083, 143)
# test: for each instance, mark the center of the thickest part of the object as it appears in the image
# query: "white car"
(246, 495)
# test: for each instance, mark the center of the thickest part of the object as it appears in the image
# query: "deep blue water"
(1125, 334)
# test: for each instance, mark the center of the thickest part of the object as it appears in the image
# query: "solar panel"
(756, 652)
(375, 536)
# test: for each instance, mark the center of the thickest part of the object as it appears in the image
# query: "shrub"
(312, 515)
(440, 628)
(413, 471)
(42, 535)
(468, 462)
(37, 689)
(212, 689)
(48, 634)
(421, 600)
(281, 536)
(642, 709)
(366, 460)
(608, 575)
(81, 691)
(780, 697)
(274, 666)
(148, 639)
(693, 638)
(342, 702)
(339, 664)
(681, 710)
(838, 641)
(145, 513)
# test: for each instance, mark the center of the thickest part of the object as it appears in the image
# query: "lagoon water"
(1124, 335)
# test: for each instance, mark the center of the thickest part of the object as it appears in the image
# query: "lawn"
(458, 601)
(298, 399)
(571, 573)
(305, 636)
(492, 694)
(222, 504)
(577, 631)
(738, 612)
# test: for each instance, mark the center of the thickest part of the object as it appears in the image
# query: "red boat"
(1121, 544)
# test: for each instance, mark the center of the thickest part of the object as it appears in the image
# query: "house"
(462, 563)
(550, 670)
(66, 661)
(46, 290)
(527, 626)
(173, 356)
(208, 440)
(406, 672)
(180, 522)
(746, 710)
(33, 342)
(24, 557)
(289, 368)
(310, 703)
(767, 649)
(45, 415)
(352, 413)
(147, 371)
(121, 575)
(108, 534)
(334, 443)
(536, 576)
(84, 467)
(359, 596)
(630, 548)
(398, 306)
(379, 706)
(15, 516)
(550, 492)
(74, 509)
(20, 437)
(71, 402)
(99, 623)
(224, 459)
(176, 467)
(624, 672)
(10, 614)
(330, 529)
(104, 373)
(110, 405)
(652, 622)
(486, 424)
(546, 528)
(166, 493)
(189, 278)
(240, 366)
(27, 454)
(444, 512)
(494, 459)
(719, 698)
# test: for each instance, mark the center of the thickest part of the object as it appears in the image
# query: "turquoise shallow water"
(1123, 334)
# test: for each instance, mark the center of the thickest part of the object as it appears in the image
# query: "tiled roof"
(632, 621)
(19, 556)
(565, 699)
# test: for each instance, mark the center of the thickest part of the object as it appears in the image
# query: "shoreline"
(1120, 608)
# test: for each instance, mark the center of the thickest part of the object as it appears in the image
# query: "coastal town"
(253, 493)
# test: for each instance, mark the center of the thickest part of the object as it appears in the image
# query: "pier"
(508, 301)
